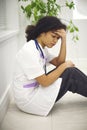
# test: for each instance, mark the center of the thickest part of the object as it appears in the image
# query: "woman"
(35, 90)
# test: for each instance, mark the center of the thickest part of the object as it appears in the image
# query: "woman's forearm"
(46, 80)
(62, 54)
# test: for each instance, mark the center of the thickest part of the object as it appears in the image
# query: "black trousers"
(73, 80)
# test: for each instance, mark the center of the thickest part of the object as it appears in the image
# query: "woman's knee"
(69, 70)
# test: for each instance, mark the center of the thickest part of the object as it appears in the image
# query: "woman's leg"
(73, 80)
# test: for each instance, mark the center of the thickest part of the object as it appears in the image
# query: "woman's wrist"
(63, 40)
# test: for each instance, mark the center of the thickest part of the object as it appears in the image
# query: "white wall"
(9, 40)
(79, 49)
(8, 50)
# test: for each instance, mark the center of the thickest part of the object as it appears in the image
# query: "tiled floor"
(70, 113)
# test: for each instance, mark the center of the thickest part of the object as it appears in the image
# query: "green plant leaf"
(75, 38)
(76, 28)
(70, 4)
(72, 30)
(22, 7)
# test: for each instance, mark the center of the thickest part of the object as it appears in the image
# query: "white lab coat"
(37, 100)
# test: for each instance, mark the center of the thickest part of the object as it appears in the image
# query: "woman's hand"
(62, 33)
(68, 64)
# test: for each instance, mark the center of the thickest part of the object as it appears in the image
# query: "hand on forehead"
(59, 32)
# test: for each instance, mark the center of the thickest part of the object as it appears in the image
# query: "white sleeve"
(49, 55)
(29, 61)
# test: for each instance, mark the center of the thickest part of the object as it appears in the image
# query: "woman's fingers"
(61, 33)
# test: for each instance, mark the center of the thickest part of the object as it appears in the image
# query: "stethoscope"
(41, 53)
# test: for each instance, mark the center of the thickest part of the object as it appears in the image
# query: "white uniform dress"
(29, 96)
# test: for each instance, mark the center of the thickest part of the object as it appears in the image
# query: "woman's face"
(50, 38)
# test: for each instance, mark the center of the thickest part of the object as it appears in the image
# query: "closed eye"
(54, 35)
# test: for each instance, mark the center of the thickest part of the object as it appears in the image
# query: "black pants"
(73, 80)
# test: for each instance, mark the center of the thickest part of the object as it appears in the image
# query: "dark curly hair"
(45, 24)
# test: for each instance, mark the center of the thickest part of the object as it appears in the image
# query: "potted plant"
(35, 9)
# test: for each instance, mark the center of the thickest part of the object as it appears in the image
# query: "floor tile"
(70, 113)
(18, 120)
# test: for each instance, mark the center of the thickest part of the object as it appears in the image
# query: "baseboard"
(4, 102)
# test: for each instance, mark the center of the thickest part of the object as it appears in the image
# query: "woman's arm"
(62, 55)
(46, 80)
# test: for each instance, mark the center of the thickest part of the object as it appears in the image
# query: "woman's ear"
(42, 34)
